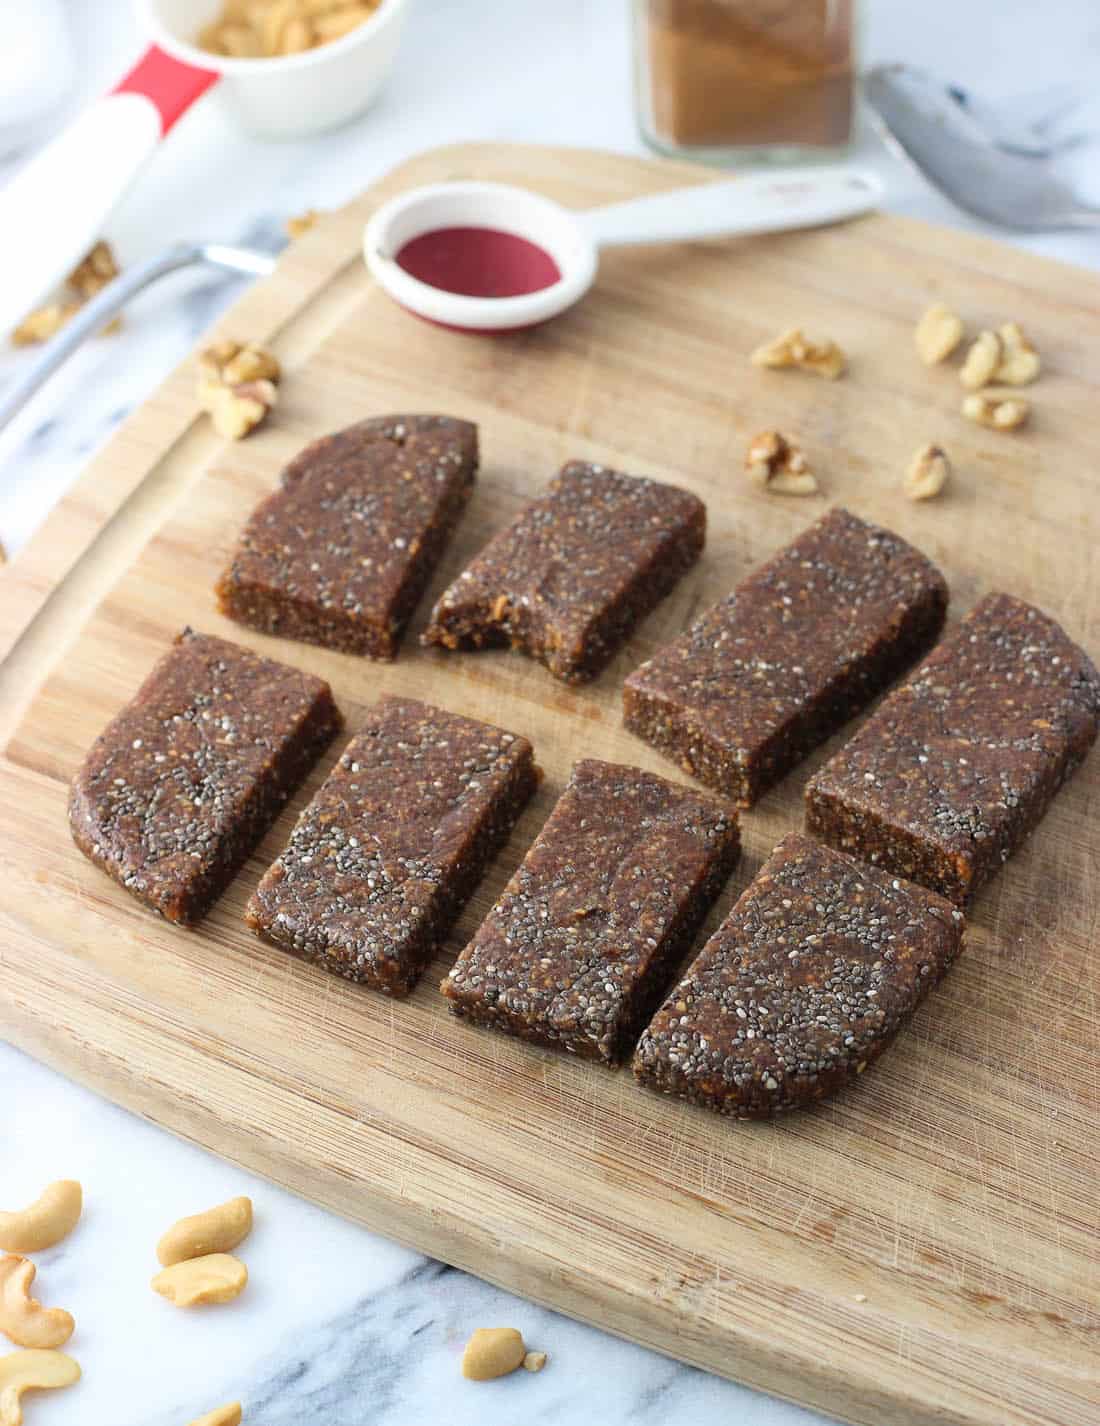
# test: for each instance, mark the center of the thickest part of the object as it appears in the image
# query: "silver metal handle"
(95, 315)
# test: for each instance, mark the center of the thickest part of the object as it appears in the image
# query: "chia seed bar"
(342, 552)
(800, 646)
(568, 580)
(805, 983)
(960, 763)
(589, 931)
(383, 859)
(182, 784)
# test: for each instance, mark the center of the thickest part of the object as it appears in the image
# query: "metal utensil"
(1039, 124)
(954, 153)
(95, 315)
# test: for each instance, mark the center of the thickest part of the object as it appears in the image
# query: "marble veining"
(337, 1327)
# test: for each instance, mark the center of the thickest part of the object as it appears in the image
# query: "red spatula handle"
(172, 85)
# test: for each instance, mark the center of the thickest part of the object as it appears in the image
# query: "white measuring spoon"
(763, 203)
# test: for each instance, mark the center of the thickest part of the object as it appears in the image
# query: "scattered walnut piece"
(937, 334)
(3, 555)
(982, 361)
(927, 474)
(236, 386)
(301, 223)
(792, 349)
(1019, 364)
(212, 359)
(236, 410)
(266, 29)
(41, 324)
(996, 410)
(534, 1361)
(778, 464)
(250, 364)
(94, 271)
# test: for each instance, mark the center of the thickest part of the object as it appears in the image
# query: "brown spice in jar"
(749, 72)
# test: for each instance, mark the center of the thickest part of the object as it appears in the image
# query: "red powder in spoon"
(478, 262)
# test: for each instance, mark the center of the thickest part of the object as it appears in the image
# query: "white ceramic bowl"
(294, 95)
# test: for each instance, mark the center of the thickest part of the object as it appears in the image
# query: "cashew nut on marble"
(217, 1277)
(229, 1415)
(23, 1319)
(45, 1222)
(21, 1372)
(218, 1230)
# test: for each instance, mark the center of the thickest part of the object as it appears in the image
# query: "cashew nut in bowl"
(24, 1319)
(218, 1277)
(218, 1230)
(45, 1222)
(229, 1415)
(31, 1371)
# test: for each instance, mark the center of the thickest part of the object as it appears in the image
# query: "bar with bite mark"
(575, 571)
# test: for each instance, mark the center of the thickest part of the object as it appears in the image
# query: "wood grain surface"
(923, 1248)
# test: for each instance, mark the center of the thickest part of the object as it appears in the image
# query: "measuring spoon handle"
(760, 203)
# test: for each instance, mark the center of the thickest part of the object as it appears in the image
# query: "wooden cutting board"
(922, 1249)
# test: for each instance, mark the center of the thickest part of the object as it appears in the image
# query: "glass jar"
(729, 79)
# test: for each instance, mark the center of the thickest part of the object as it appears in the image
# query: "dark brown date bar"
(182, 784)
(955, 769)
(572, 575)
(589, 931)
(386, 854)
(802, 644)
(802, 987)
(340, 554)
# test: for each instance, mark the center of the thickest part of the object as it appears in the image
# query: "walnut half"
(236, 410)
(237, 386)
(777, 464)
(792, 349)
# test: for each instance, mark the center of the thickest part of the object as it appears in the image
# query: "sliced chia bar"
(589, 931)
(800, 646)
(342, 552)
(805, 983)
(568, 580)
(960, 763)
(383, 859)
(183, 783)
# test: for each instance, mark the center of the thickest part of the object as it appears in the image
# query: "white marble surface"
(339, 1327)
